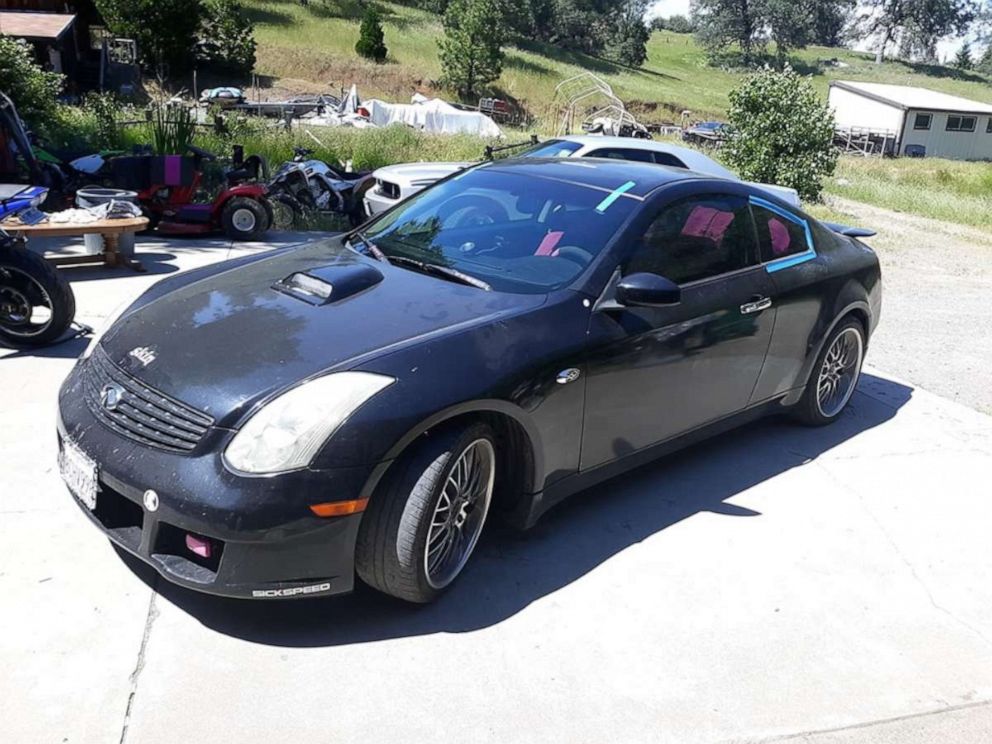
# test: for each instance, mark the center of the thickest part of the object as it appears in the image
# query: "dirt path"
(936, 326)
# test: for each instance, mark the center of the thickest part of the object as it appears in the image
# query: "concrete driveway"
(776, 584)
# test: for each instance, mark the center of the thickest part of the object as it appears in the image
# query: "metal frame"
(572, 92)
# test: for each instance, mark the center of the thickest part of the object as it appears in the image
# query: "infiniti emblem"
(111, 397)
(150, 500)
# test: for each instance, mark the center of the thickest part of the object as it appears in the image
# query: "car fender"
(535, 459)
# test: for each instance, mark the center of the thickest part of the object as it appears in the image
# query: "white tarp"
(432, 115)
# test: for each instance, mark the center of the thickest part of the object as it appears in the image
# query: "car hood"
(221, 342)
(409, 173)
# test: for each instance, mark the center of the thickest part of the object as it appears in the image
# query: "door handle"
(756, 306)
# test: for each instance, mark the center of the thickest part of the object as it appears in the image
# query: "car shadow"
(512, 570)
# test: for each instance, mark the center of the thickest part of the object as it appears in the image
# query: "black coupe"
(271, 426)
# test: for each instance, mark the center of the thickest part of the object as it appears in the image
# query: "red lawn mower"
(172, 193)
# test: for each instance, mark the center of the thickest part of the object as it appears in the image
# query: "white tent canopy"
(432, 115)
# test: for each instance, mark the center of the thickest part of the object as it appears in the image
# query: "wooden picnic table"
(111, 230)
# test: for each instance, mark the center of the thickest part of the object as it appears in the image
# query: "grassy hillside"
(309, 48)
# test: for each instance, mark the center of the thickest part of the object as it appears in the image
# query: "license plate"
(79, 473)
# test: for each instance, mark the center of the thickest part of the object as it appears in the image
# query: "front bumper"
(264, 541)
(376, 203)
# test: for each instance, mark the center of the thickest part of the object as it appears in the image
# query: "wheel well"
(862, 317)
(514, 451)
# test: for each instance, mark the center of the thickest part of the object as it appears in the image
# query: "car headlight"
(286, 433)
(99, 334)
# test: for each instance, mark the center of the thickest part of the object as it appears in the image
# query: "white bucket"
(94, 196)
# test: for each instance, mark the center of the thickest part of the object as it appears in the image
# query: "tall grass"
(364, 148)
(173, 128)
(949, 190)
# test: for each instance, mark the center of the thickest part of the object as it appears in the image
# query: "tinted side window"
(778, 235)
(613, 153)
(666, 158)
(697, 238)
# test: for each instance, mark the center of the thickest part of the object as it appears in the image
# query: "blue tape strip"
(617, 193)
(789, 261)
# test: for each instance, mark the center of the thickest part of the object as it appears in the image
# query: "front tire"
(244, 219)
(36, 302)
(835, 375)
(426, 517)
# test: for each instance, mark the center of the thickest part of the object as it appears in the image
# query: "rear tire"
(36, 302)
(834, 376)
(440, 489)
(244, 219)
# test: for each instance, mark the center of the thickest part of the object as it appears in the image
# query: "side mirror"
(647, 290)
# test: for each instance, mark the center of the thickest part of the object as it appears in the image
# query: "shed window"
(923, 121)
(960, 123)
(988, 126)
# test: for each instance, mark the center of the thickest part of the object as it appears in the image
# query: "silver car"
(395, 183)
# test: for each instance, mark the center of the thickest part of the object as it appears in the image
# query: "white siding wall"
(940, 143)
(855, 110)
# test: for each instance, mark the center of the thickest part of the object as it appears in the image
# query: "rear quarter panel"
(810, 299)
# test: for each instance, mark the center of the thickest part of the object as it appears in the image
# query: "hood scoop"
(324, 285)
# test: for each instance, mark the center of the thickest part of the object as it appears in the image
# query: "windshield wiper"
(371, 248)
(441, 271)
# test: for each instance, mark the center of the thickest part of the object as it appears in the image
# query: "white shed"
(922, 121)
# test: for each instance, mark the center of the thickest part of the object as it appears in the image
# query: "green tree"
(166, 30)
(720, 23)
(782, 132)
(922, 23)
(791, 25)
(963, 60)
(678, 24)
(227, 37)
(985, 62)
(32, 90)
(371, 42)
(831, 19)
(627, 43)
(472, 48)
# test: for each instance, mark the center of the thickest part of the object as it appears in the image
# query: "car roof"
(693, 159)
(596, 173)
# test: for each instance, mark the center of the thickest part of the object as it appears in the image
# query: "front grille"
(142, 414)
(389, 190)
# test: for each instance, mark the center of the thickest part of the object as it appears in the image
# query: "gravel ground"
(936, 328)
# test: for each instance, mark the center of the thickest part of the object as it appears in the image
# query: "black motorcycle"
(36, 302)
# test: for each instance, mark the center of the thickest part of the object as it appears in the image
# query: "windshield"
(551, 149)
(515, 232)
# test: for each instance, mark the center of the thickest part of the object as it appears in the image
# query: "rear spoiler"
(851, 232)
